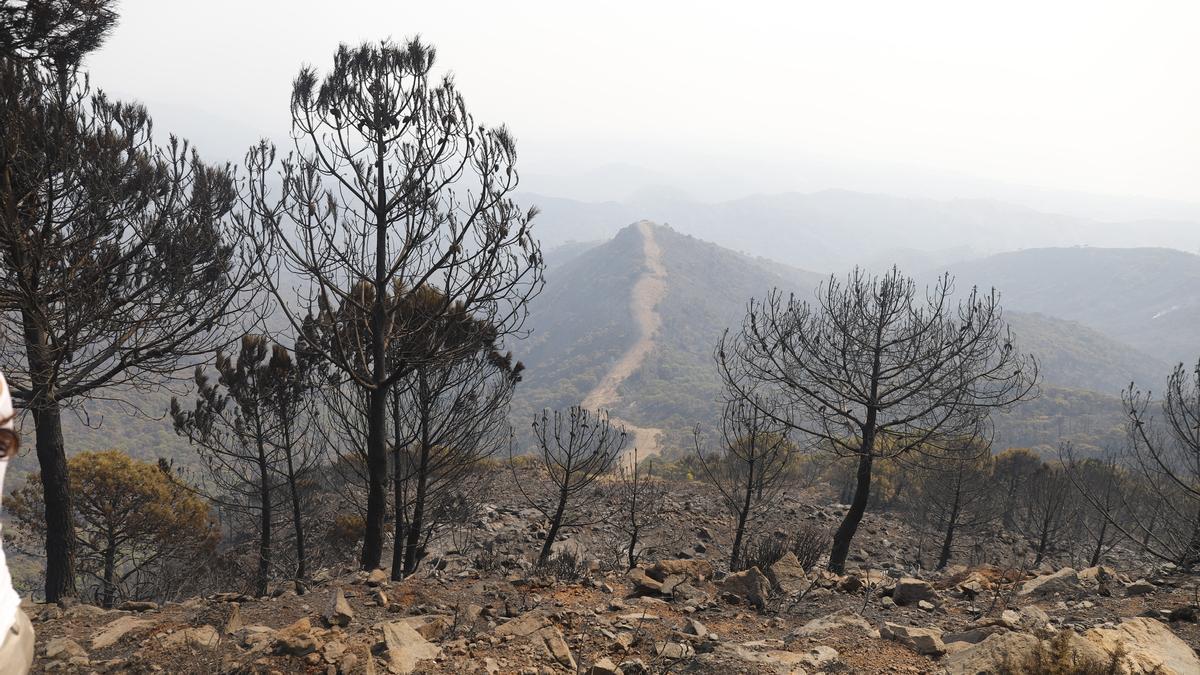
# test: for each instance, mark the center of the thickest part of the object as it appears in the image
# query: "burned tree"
(642, 499)
(574, 449)
(246, 425)
(956, 494)
(1045, 499)
(875, 368)
(116, 263)
(750, 465)
(392, 188)
(447, 416)
(1103, 481)
(1160, 508)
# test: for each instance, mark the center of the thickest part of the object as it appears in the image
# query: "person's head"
(10, 442)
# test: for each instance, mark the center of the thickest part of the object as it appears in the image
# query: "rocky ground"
(485, 610)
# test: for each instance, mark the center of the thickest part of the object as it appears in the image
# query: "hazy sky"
(1100, 97)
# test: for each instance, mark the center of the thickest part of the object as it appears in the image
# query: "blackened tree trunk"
(264, 540)
(845, 532)
(56, 487)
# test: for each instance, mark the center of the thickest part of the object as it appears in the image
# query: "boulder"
(113, 631)
(297, 639)
(788, 575)
(784, 661)
(66, 651)
(377, 577)
(910, 591)
(695, 628)
(551, 638)
(924, 641)
(831, 622)
(696, 570)
(406, 648)
(990, 655)
(1148, 647)
(1065, 580)
(1140, 587)
(429, 626)
(673, 651)
(642, 582)
(338, 612)
(523, 626)
(205, 637)
(749, 585)
(604, 666)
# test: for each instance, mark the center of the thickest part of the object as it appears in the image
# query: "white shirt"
(10, 602)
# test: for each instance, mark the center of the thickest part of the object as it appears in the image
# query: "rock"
(909, 591)
(1140, 587)
(1065, 580)
(1029, 618)
(205, 637)
(234, 623)
(749, 585)
(66, 650)
(429, 626)
(696, 628)
(642, 582)
(972, 636)
(604, 666)
(991, 655)
(113, 631)
(924, 641)
(1097, 577)
(925, 605)
(338, 612)
(377, 577)
(673, 651)
(551, 638)
(1148, 647)
(406, 648)
(696, 570)
(296, 639)
(788, 575)
(784, 661)
(832, 622)
(523, 626)
(138, 606)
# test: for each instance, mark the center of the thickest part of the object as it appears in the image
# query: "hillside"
(585, 331)
(1072, 355)
(1144, 297)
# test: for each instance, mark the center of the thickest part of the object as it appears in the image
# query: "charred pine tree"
(876, 368)
(392, 187)
(750, 465)
(1045, 502)
(117, 262)
(239, 426)
(1160, 506)
(448, 415)
(642, 498)
(574, 450)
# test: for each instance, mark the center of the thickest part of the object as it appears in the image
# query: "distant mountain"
(584, 326)
(833, 230)
(1148, 298)
(583, 323)
(1074, 356)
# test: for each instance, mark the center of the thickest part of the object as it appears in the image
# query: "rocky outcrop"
(751, 586)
